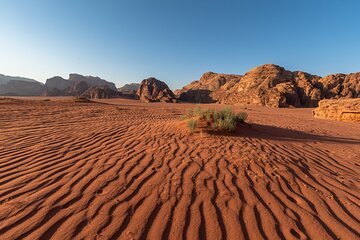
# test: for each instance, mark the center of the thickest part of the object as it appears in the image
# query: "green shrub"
(191, 123)
(208, 114)
(197, 111)
(223, 120)
(241, 117)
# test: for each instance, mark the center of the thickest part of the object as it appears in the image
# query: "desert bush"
(241, 117)
(197, 111)
(223, 120)
(192, 124)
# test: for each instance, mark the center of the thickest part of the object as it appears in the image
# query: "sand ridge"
(127, 170)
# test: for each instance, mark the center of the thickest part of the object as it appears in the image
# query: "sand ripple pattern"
(95, 171)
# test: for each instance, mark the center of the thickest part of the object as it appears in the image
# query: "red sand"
(132, 171)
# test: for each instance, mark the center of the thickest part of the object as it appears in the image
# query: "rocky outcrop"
(202, 91)
(77, 88)
(76, 85)
(273, 86)
(91, 81)
(129, 88)
(56, 86)
(153, 90)
(340, 109)
(341, 85)
(101, 93)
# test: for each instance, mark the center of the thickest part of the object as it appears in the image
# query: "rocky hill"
(4, 79)
(271, 85)
(201, 91)
(19, 86)
(76, 85)
(154, 90)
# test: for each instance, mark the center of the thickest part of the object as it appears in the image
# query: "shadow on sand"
(284, 134)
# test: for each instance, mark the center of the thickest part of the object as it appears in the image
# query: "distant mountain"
(19, 86)
(130, 88)
(91, 81)
(5, 79)
(76, 85)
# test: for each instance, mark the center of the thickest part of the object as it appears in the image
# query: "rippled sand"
(121, 169)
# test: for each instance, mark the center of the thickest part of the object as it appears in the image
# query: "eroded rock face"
(271, 85)
(76, 89)
(104, 92)
(202, 91)
(339, 109)
(154, 90)
(341, 85)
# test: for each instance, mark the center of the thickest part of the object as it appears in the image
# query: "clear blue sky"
(176, 40)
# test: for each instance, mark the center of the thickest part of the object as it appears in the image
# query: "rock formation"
(129, 88)
(153, 90)
(266, 85)
(77, 88)
(76, 85)
(4, 79)
(341, 85)
(101, 93)
(202, 91)
(56, 86)
(91, 81)
(339, 109)
(271, 85)
(19, 86)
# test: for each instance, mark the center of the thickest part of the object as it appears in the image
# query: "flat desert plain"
(121, 169)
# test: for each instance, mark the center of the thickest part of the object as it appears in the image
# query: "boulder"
(339, 109)
(154, 90)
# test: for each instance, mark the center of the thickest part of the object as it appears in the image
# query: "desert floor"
(121, 169)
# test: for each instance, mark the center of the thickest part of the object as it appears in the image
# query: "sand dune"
(127, 170)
